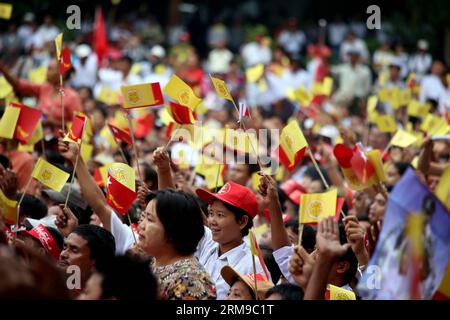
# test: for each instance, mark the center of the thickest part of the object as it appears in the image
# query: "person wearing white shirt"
(292, 40)
(432, 86)
(420, 62)
(45, 33)
(256, 52)
(231, 211)
(352, 43)
(219, 58)
(85, 66)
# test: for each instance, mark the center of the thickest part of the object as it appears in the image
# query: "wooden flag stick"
(254, 275)
(217, 178)
(132, 232)
(170, 140)
(43, 148)
(61, 92)
(122, 154)
(134, 147)
(24, 191)
(321, 174)
(75, 165)
(300, 233)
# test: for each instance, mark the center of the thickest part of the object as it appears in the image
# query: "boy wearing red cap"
(230, 216)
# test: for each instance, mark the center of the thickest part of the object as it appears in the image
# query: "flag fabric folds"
(58, 45)
(181, 114)
(50, 175)
(142, 95)
(256, 251)
(121, 187)
(182, 93)
(76, 130)
(100, 38)
(65, 63)
(120, 134)
(221, 88)
(403, 139)
(292, 145)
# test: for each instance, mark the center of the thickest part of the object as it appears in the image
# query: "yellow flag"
(221, 88)
(124, 174)
(141, 95)
(86, 151)
(337, 293)
(38, 75)
(5, 88)
(50, 175)
(8, 122)
(327, 86)
(383, 94)
(417, 109)
(262, 85)
(179, 91)
(8, 208)
(317, 206)
(316, 88)
(405, 97)
(386, 123)
(402, 139)
(302, 96)
(443, 188)
(377, 163)
(394, 97)
(434, 125)
(254, 73)
(5, 11)
(372, 104)
(212, 173)
(58, 45)
(37, 135)
(108, 96)
(292, 142)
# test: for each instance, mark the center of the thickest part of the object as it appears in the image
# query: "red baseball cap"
(233, 194)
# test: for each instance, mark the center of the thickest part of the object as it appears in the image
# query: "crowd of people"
(189, 235)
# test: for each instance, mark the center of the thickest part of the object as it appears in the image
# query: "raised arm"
(91, 192)
(12, 80)
(268, 188)
(329, 250)
(162, 162)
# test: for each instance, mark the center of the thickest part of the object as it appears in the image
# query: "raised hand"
(327, 240)
(373, 232)
(143, 191)
(268, 188)
(68, 150)
(161, 160)
(355, 234)
(8, 182)
(66, 221)
(301, 266)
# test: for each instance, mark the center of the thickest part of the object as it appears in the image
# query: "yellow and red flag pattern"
(142, 95)
(292, 145)
(121, 187)
(50, 175)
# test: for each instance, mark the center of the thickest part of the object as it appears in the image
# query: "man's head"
(88, 247)
(286, 291)
(377, 138)
(242, 173)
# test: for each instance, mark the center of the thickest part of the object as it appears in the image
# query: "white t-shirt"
(239, 258)
(122, 234)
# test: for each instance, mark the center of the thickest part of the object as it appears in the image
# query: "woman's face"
(377, 208)
(152, 237)
(392, 175)
(223, 224)
(239, 291)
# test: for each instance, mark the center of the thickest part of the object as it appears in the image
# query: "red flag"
(118, 196)
(27, 122)
(120, 134)
(100, 37)
(98, 178)
(361, 164)
(256, 251)
(144, 124)
(65, 63)
(181, 114)
(75, 133)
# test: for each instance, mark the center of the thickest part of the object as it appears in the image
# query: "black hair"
(238, 214)
(349, 256)
(102, 109)
(311, 172)
(32, 207)
(125, 152)
(4, 161)
(100, 241)
(402, 167)
(287, 291)
(126, 278)
(181, 217)
(271, 263)
(150, 174)
(308, 236)
(57, 236)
